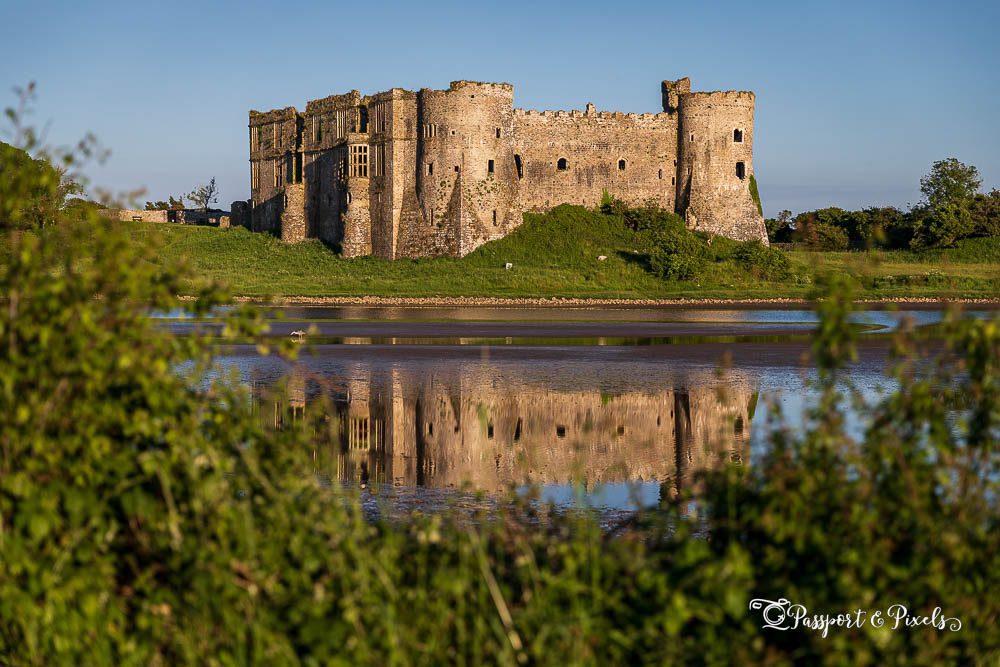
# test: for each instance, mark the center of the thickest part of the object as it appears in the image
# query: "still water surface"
(614, 407)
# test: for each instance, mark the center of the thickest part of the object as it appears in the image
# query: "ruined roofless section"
(441, 172)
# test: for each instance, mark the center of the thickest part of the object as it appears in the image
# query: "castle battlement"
(440, 172)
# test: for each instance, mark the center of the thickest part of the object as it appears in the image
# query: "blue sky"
(855, 100)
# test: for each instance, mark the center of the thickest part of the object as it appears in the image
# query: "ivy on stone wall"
(755, 194)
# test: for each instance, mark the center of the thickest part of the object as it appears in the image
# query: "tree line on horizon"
(953, 208)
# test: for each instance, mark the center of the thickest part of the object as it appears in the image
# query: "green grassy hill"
(555, 255)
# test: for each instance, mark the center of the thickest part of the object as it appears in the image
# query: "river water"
(613, 407)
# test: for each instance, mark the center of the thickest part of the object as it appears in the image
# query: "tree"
(42, 186)
(172, 205)
(946, 214)
(986, 213)
(204, 195)
(778, 229)
(941, 226)
(950, 182)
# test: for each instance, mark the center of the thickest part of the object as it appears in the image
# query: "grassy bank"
(555, 255)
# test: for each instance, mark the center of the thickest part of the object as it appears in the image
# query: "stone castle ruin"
(441, 172)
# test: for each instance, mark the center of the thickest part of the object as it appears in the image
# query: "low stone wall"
(128, 215)
(185, 216)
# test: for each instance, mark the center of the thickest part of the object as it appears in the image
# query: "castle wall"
(325, 127)
(713, 195)
(392, 119)
(293, 220)
(273, 140)
(357, 240)
(593, 145)
(441, 172)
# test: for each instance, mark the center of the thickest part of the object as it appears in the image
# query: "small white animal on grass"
(508, 266)
(601, 258)
(299, 335)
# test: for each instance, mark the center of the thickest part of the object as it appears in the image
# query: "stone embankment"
(478, 301)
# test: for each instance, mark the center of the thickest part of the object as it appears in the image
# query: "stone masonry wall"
(444, 171)
(712, 193)
(631, 156)
(128, 215)
(463, 130)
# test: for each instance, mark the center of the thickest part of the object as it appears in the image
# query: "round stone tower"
(467, 178)
(715, 164)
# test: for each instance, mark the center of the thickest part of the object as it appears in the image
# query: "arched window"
(621, 165)
(738, 136)
(741, 170)
(562, 164)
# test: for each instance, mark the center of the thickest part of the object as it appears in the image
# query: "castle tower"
(467, 182)
(715, 163)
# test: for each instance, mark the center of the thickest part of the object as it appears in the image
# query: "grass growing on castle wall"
(555, 255)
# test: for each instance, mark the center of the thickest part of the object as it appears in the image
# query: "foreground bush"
(147, 517)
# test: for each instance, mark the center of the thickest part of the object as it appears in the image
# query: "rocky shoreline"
(559, 302)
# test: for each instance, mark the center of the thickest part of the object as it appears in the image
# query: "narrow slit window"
(562, 164)
(621, 165)
(692, 136)
(519, 166)
(659, 174)
(494, 217)
(489, 167)
(738, 136)
(430, 168)
(741, 170)
(498, 133)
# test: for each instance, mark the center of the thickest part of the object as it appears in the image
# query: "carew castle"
(441, 172)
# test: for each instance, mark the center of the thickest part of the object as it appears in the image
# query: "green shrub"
(762, 261)
(678, 256)
(828, 237)
(985, 213)
(654, 220)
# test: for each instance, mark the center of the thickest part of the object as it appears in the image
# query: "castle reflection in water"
(388, 425)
